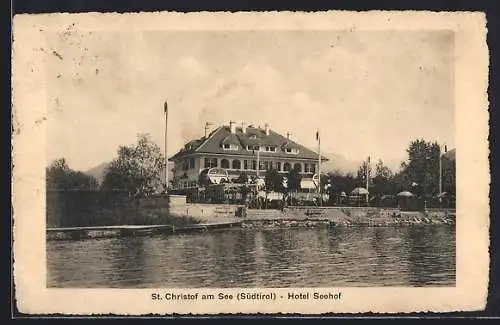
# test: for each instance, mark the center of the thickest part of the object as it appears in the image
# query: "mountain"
(98, 171)
(339, 163)
(344, 165)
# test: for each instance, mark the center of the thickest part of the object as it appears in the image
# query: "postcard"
(250, 162)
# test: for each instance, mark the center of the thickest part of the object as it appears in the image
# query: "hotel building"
(236, 149)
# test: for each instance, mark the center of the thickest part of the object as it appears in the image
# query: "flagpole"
(258, 161)
(319, 165)
(367, 179)
(320, 199)
(166, 138)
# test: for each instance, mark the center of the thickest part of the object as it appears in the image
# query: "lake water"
(291, 257)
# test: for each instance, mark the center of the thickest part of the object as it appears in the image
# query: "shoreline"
(348, 217)
(312, 223)
(265, 219)
(339, 214)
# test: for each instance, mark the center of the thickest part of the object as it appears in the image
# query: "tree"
(341, 183)
(203, 179)
(137, 168)
(422, 168)
(293, 180)
(363, 170)
(383, 182)
(59, 176)
(382, 171)
(242, 178)
(420, 172)
(273, 180)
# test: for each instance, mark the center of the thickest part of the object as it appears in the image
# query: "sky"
(368, 92)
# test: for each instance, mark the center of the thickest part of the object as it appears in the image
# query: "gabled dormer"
(290, 148)
(230, 143)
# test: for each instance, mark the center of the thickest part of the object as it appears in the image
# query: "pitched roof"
(252, 137)
(231, 139)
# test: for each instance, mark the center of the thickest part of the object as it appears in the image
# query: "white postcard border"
(29, 143)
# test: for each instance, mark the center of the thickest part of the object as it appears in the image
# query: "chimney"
(207, 128)
(267, 128)
(288, 134)
(243, 127)
(232, 126)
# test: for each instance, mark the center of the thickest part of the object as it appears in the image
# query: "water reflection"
(430, 258)
(127, 271)
(296, 257)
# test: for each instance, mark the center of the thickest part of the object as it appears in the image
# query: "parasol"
(405, 194)
(359, 191)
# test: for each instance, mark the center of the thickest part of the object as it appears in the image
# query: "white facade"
(187, 169)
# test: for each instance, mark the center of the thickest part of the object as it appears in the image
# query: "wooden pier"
(75, 233)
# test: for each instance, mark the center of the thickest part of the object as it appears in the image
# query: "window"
(298, 167)
(266, 165)
(191, 163)
(292, 150)
(306, 167)
(278, 166)
(313, 168)
(256, 148)
(245, 164)
(271, 149)
(287, 167)
(210, 162)
(224, 163)
(254, 164)
(227, 146)
(236, 164)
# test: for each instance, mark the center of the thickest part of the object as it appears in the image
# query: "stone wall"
(206, 212)
(176, 206)
(212, 213)
(353, 216)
